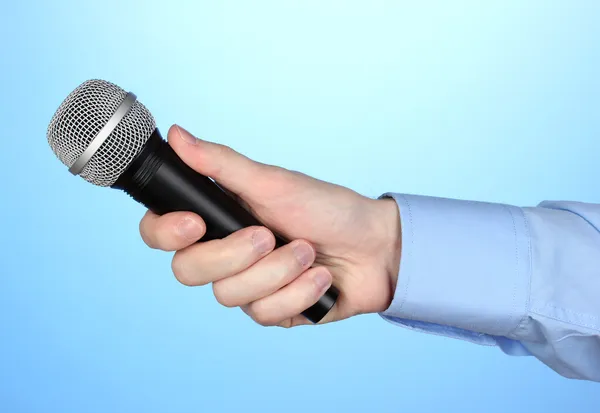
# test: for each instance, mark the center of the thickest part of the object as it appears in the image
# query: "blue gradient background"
(493, 101)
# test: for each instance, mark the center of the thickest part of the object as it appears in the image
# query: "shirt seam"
(529, 277)
(498, 322)
(563, 209)
(410, 252)
(540, 311)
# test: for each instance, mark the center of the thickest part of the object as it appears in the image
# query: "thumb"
(229, 168)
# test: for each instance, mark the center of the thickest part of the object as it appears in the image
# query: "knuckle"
(222, 295)
(262, 316)
(181, 271)
(148, 240)
(223, 150)
(286, 323)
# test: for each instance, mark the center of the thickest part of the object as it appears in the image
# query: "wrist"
(390, 228)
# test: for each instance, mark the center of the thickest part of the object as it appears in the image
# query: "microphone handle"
(160, 180)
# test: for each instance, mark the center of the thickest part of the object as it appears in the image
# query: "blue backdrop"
(493, 101)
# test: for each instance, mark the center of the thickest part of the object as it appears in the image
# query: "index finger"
(173, 231)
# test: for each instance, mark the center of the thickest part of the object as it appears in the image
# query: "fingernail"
(261, 240)
(186, 136)
(304, 253)
(190, 229)
(322, 280)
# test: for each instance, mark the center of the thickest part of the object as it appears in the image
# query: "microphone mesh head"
(83, 114)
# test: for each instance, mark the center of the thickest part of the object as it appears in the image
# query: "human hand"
(337, 236)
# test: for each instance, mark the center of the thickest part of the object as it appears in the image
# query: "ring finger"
(268, 275)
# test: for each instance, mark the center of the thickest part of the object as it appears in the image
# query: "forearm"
(523, 279)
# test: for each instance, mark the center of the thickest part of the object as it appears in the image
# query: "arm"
(524, 279)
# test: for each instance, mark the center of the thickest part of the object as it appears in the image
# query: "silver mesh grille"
(80, 117)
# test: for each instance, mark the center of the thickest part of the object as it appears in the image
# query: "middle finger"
(268, 275)
(214, 260)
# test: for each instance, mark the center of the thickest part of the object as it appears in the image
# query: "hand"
(337, 236)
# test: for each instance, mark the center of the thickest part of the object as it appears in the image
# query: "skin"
(337, 236)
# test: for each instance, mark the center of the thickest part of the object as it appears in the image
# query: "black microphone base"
(161, 181)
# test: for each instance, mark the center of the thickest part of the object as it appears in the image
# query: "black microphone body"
(161, 181)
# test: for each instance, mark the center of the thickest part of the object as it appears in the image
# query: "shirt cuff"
(464, 271)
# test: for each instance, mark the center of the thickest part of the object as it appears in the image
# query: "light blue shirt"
(524, 279)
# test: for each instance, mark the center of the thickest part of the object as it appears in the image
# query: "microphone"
(105, 135)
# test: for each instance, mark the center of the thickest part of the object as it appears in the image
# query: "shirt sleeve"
(526, 280)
